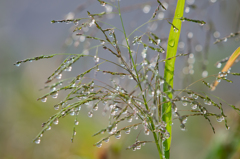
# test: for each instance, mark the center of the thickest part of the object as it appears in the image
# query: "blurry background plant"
(22, 115)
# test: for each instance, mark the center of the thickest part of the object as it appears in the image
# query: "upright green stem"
(169, 72)
(139, 84)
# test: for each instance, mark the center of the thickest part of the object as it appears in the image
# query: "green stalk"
(139, 84)
(169, 72)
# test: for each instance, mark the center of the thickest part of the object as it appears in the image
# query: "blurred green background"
(25, 31)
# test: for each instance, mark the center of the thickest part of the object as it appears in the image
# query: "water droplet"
(99, 144)
(203, 110)
(195, 96)
(38, 140)
(161, 81)
(134, 148)
(182, 127)
(106, 140)
(194, 106)
(171, 43)
(18, 64)
(118, 135)
(103, 3)
(225, 40)
(68, 69)
(127, 131)
(138, 147)
(220, 118)
(44, 99)
(95, 107)
(59, 76)
(56, 107)
(135, 127)
(219, 65)
(129, 119)
(166, 135)
(54, 94)
(146, 132)
(49, 128)
(184, 103)
(76, 122)
(184, 119)
(56, 121)
(96, 59)
(90, 114)
(130, 77)
(207, 102)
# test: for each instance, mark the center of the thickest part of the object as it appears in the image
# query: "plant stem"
(169, 73)
(139, 84)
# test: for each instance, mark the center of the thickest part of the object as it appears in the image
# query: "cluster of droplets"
(137, 40)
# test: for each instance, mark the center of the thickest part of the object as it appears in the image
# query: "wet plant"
(152, 103)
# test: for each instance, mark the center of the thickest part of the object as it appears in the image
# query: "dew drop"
(184, 103)
(59, 76)
(106, 140)
(220, 118)
(127, 131)
(184, 120)
(171, 43)
(182, 127)
(76, 122)
(219, 65)
(53, 89)
(166, 135)
(194, 106)
(95, 107)
(138, 147)
(49, 128)
(56, 107)
(129, 119)
(18, 64)
(103, 4)
(146, 132)
(54, 95)
(161, 81)
(44, 99)
(135, 127)
(56, 121)
(99, 144)
(96, 59)
(90, 114)
(118, 135)
(38, 140)
(72, 113)
(68, 69)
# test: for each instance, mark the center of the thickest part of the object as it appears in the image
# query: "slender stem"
(169, 72)
(139, 84)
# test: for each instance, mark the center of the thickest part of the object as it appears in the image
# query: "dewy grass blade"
(169, 71)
